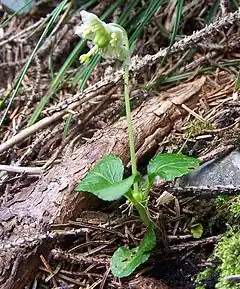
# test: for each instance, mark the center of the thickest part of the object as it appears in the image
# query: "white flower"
(110, 40)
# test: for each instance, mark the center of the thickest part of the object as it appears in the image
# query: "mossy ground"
(226, 255)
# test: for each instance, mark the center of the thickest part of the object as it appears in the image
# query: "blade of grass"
(235, 5)
(79, 75)
(85, 5)
(150, 11)
(212, 12)
(88, 70)
(237, 84)
(186, 75)
(50, 65)
(67, 125)
(179, 10)
(18, 82)
(127, 11)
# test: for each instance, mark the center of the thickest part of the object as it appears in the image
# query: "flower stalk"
(111, 41)
(129, 122)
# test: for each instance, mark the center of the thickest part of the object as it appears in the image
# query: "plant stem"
(143, 212)
(142, 208)
(129, 123)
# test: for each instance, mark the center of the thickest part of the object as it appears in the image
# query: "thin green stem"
(142, 210)
(129, 122)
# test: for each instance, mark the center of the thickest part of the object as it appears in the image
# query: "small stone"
(222, 172)
(13, 5)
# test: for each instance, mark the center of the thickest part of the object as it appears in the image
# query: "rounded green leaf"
(169, 166)
(197, 230)
(106, 179)
(124, 261)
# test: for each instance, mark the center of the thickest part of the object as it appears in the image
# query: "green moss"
(197, 127)
(205, 277)
(234, 209)
(228, 252)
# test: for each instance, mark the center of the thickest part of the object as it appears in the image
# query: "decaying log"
(52, 199)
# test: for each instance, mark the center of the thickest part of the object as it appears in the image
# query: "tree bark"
(53, 199)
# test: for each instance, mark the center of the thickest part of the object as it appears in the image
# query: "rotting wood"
(52, 198)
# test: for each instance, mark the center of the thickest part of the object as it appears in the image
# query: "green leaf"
(106, 179)
(170, 166)
(124, 261)
(67, 125)
(149, 240)
(197, 230)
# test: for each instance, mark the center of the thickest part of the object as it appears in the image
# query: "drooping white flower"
(110, 40)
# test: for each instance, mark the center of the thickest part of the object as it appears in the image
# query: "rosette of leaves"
(106, 181)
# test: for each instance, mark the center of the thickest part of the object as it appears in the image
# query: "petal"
(122, 35)
(79, 30)
(91, 20)
(85, 31)
(88, 17)
(121, 53)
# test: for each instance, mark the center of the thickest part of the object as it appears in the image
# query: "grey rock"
(222, 172)
(15, 5)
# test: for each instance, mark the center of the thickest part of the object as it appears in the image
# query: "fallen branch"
(22, 170)
(45, 122)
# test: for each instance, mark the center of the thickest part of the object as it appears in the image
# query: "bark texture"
(52, 199)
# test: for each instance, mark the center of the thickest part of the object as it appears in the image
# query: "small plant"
(197, 230)
(106, 179)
